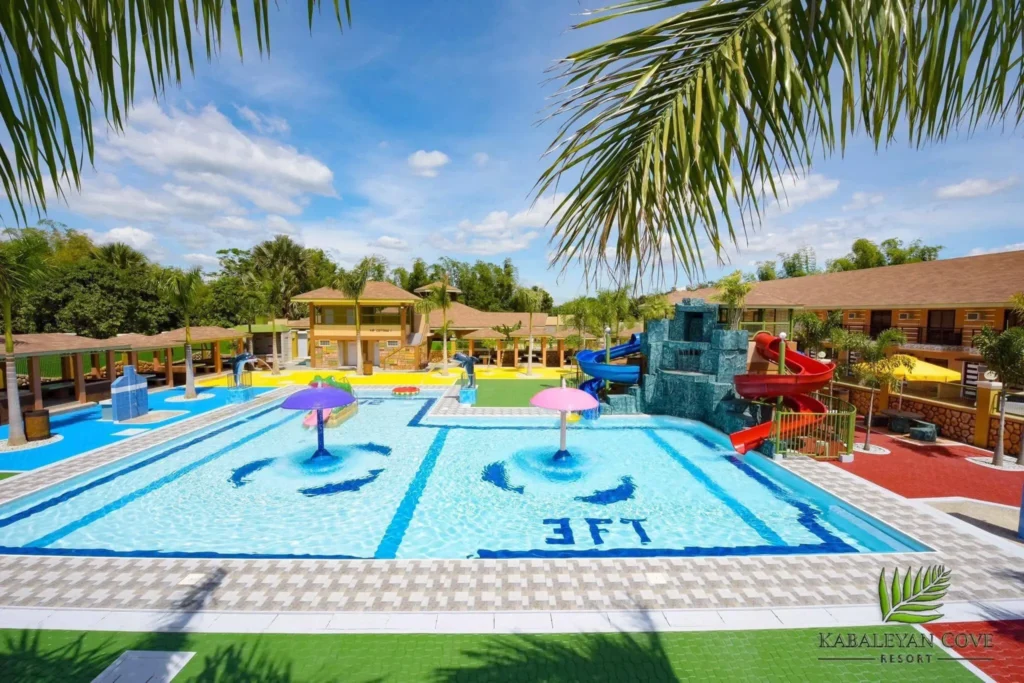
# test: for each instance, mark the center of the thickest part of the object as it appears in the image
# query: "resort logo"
(914, 598)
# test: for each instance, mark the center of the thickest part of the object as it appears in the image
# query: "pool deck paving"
(927, 470)
(507, 596)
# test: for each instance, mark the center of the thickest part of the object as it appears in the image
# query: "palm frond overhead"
(60, 60)
(674, 136)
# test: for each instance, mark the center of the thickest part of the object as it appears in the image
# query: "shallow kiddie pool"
(407, 486)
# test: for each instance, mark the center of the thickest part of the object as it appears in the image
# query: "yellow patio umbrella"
(923, 371)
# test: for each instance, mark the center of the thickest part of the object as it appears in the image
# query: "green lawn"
(70, 656)
(4, 475)
(510, 393)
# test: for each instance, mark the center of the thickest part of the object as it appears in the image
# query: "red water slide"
(804, 375)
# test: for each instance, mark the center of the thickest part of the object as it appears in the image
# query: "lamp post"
(607, 344)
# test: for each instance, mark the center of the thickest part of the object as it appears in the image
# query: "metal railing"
(823, 436)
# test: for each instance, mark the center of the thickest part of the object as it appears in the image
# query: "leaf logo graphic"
(906, 601)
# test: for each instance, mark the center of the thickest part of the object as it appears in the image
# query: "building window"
(973, 316)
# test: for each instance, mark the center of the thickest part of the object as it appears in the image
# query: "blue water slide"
(592, 363)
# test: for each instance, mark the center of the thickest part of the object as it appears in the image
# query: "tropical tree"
(290, 258)
(611, 309)
(352, 283)
(439, 298)
(672, 131)
(182, 290)
(733, 291)
(506, 331)
(845, 341)
(273, 287)
(529, 300)
(655, 307)
(812, 332)
(1017, 302)
(22, 264)
(579, 315)
(878, 368)
(65, 60)
(1004, 355)
(119, 255)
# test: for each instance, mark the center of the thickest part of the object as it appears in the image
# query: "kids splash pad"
(319, 399)
(564, 400)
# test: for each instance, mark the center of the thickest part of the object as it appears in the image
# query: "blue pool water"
(83, 430)
(405, 486)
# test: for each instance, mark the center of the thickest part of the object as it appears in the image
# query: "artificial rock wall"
(690, 366)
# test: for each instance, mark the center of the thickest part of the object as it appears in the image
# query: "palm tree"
(182, 291)
(733, 291)
(438, 298)
(877, 369)
(1017, 303)
(65, 60)
(672, 131)
(22, 264)
(506, 331)
(843, 340)
(612, 308)
(529, 302)
(119, 255)
(813, 332)
(655, 307)
(353, 283)
(285, 254)
(579, 314)
(1004, 355)
(273, 286)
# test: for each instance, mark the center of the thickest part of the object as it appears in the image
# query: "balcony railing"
(936, 336)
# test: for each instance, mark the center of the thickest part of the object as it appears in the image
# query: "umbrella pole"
(321, 452)
(562, 452)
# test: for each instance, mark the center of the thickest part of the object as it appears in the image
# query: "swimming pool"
(409, 486)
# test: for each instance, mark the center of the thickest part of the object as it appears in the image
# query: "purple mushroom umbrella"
(563, 400)
(319, 398)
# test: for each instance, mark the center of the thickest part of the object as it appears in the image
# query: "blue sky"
(414, 134)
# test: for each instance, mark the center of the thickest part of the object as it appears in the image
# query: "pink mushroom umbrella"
(563, 400)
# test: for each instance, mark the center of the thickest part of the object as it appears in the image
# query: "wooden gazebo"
(71, 349)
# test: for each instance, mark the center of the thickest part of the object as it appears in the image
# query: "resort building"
(939, 305)
(397, 337)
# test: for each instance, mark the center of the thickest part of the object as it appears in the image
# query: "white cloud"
(206, 144)
(499, 232)
(427, 164)
(136, 238)
(103, 196)
(978, 251)
(201, 201)
(202, 260)
(389, 242)
(267, 199)
(234, 224)
(481, 159)
(974, 187)
(267, 125)
(863, 200)
(795, 190)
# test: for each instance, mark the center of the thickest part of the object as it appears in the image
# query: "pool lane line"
(691, 551)
(121, 502)
(106, 479)
(751, 520)
(807, 516)
(392, 539)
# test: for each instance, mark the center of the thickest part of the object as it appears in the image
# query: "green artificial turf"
(792, 655)
(5, 475)
(510, 393)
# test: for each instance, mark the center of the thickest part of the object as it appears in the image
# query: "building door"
(942, 328)
(880, 321)
(350, 353)
(376, 353)
(302, 345)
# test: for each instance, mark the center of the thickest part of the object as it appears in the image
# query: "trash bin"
(37, 425)
(367, 367)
